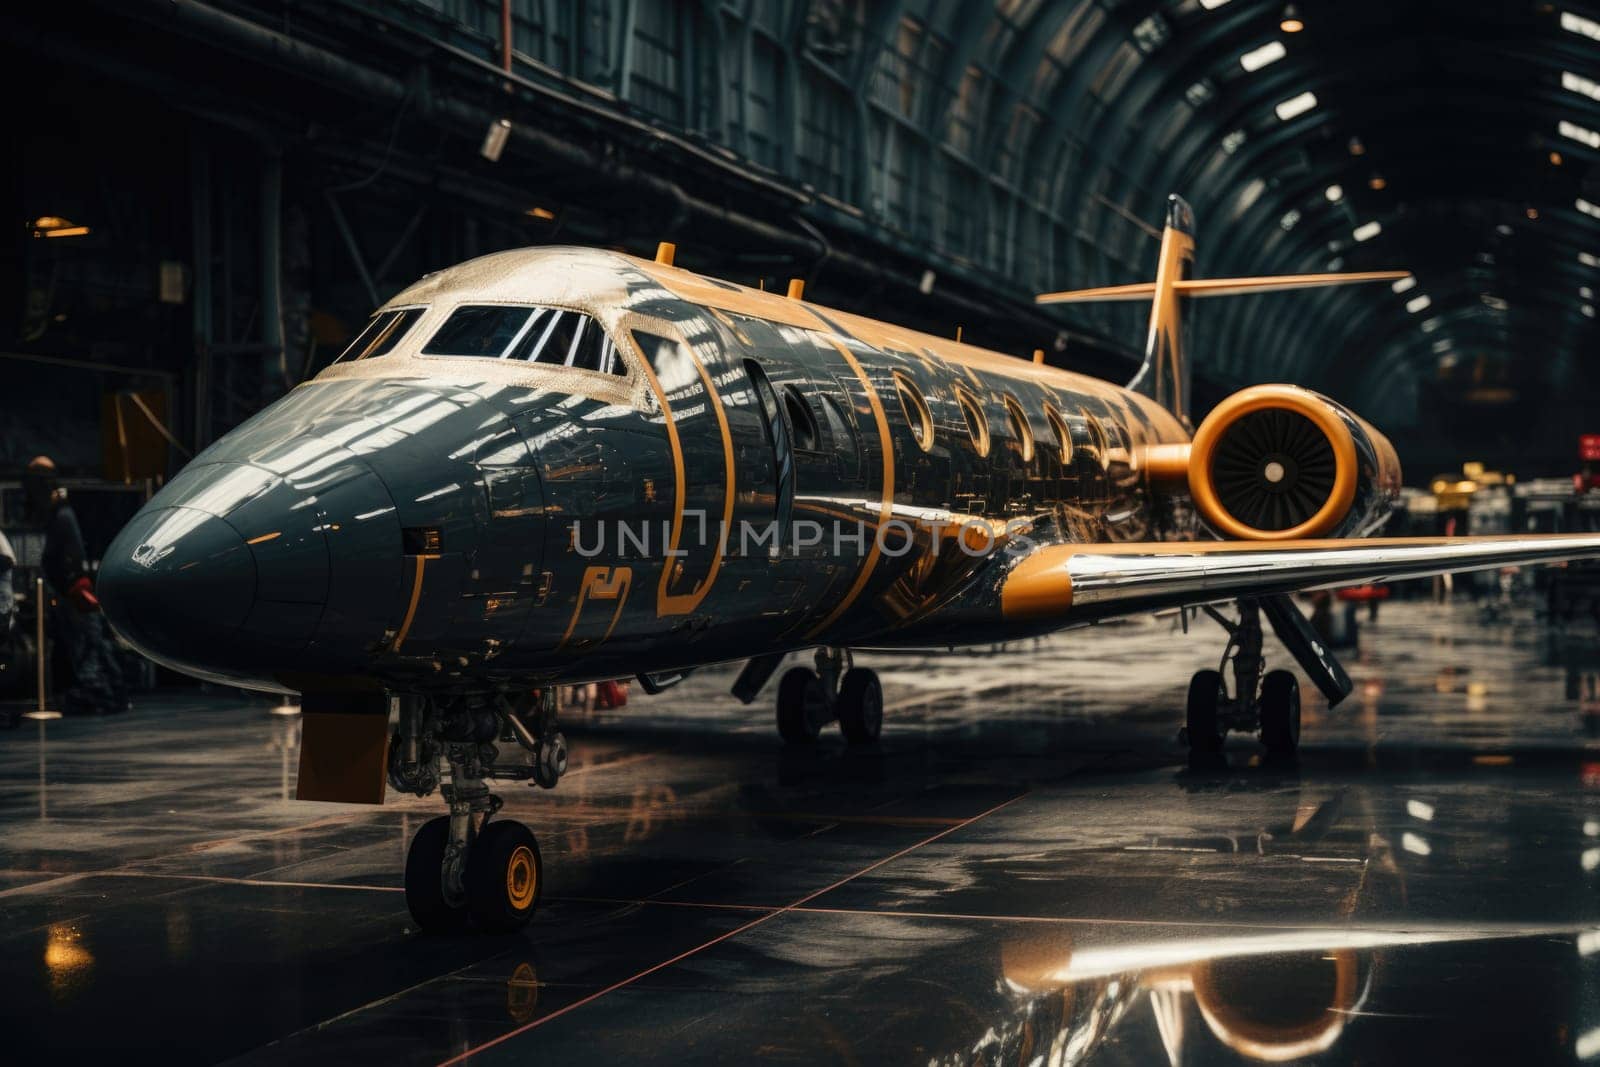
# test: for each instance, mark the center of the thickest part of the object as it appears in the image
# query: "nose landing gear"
(810, 699)
(1264, 701)
(467, 869)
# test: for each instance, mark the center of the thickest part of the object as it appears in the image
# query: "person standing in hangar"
(97, 684)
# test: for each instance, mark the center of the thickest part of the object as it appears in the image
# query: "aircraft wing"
(1083, 582)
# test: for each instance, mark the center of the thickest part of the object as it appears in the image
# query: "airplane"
(557, 465)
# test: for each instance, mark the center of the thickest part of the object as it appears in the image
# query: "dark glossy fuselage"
(422, 522)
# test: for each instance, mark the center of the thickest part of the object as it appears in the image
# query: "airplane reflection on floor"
(1421, 883)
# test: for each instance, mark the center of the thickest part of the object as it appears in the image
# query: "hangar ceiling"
(939, 161)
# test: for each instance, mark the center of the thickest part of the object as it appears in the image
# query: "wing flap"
(1074, 583)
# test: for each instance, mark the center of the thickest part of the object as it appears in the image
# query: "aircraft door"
(698, 434)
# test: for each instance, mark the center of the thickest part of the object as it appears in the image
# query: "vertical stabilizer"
(1164, 377)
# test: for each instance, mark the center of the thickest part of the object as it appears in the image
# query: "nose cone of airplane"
(177, 583)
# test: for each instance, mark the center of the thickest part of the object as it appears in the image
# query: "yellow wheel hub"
(522, 878)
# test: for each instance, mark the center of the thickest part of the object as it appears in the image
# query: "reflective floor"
(1025, 870)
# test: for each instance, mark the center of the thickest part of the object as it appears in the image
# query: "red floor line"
(592, 997)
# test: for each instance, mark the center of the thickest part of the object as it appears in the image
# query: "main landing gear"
(1264, 701)
(810, 699)
(468, 869)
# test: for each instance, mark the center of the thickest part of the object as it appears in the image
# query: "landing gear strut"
(466, 868)
(810, 699)
(1264, 701)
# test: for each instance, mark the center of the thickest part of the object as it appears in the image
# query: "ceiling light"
(1367, 231)
(1588, 260)
(1533, 213)
(1334, 193)
(1405, 284)
(1574, 23)
(1267, 54)
(1581, 134)
(1555, 159)
(494, 140)
(1419, 303)
(1212, 5)
(1299, 105)
(1586, 292)
(1503, 230)
(1587, 208)
(1588, 311)
(1290, 220)
(1233, 141)
(1443, 344)
(56, 226)
(1376, 182)
(1356, 147)
(1576, 83)
(1429, 325)
(1291, 22)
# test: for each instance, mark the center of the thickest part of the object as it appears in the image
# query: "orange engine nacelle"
(1280, 463)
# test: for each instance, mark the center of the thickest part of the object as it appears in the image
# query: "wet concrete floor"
(1025, 869)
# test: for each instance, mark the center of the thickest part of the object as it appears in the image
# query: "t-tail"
(1164, 375)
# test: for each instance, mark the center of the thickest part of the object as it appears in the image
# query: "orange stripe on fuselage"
(885, 507)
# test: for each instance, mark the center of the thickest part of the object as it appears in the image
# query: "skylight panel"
(1590, 209)
(1577, 83)
(1298, 105)
(1419, 303)
(1581, 134)
(1570, 21)
(1367, 231)
(1404, 285)
(1588, 260)
(1266, 55)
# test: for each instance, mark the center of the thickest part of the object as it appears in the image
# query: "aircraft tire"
(425, 896)
(1280, 712)
(802, 706)
(861, 706)
(1205, 693)
(504, 877)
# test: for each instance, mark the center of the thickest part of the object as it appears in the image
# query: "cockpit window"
(552, 336)
(381, 334)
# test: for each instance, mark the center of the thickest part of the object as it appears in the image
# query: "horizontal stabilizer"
(1221, 286)
(1140, 291)
(1282, 283)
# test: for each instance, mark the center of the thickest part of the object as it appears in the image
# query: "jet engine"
(1281, 463)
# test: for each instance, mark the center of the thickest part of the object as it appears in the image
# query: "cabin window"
(1097, 436)
(916, 411)
(977, 422)
(381, 334)
(1021, 432)
(550, 336)
(1063, 436)
(802, 422)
